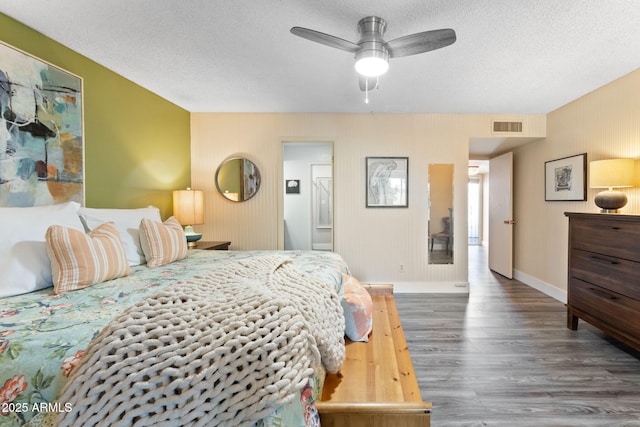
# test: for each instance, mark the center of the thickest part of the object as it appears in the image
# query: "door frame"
(281, 184)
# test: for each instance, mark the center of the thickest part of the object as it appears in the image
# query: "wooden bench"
(377, 386)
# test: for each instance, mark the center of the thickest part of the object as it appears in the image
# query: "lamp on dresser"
(188, 208)
(611, 174)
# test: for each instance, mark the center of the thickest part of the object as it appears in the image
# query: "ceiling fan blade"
(368, 83)
(421, 42)
(325, 39)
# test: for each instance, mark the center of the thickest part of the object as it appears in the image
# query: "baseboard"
(428, 287)
(463, 287)
(543, 287)
(322, 246)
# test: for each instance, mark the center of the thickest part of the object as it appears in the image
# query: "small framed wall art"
(565, 179)
(387, 181)
(293, 186)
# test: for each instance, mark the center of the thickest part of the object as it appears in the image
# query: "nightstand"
(218, 246)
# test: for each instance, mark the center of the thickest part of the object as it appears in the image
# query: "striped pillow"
(162, 243)
(79, 260)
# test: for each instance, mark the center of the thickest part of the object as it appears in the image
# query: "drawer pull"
(605, 261)
(603, 294)
(607, 227)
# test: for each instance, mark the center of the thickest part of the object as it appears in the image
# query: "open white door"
(321, 207)
(501, 215)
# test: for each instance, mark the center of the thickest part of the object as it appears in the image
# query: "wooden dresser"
(604, 274)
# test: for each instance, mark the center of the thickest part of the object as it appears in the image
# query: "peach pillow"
(79, 260)
(358, 309)
(162, 243)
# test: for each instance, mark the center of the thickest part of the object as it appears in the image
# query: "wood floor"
(503, 356)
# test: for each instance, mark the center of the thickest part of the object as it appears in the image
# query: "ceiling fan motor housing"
(372, 45)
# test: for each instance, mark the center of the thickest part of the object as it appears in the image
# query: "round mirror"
(238, 179)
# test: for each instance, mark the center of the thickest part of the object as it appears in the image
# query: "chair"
(445, 235)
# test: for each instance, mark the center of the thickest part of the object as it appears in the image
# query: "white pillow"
(24, 264)
(127, 222)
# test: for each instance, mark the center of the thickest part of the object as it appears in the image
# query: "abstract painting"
(41, 132)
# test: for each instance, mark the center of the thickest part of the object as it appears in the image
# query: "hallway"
(503, 356)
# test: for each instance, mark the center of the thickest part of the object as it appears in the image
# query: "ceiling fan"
(372, 53)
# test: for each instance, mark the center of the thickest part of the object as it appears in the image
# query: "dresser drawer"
(616, 310)
(617, 274)
(612, 237)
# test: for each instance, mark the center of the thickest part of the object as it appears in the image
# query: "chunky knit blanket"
(221, 349)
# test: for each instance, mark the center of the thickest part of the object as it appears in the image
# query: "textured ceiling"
(511, 56)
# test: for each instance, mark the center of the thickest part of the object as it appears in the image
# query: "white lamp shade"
(612, 173)
(188, 206)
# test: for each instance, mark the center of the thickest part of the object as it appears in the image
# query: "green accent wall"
(137, 144)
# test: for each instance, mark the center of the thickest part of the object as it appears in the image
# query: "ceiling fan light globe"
(372, 66)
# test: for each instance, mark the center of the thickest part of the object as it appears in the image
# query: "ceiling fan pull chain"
(366, 90)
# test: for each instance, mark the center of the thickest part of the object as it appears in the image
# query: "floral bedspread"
(43, 335)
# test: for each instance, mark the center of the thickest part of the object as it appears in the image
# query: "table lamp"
(188, 208)
(611, 174)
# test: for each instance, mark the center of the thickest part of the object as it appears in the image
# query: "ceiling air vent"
(510, 127)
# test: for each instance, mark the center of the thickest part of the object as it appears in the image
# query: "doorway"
(308, 195)
(474, 191)
(478, 202)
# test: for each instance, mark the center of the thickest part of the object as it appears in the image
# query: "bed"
(64, 354)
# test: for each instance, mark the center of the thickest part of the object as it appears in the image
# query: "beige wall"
(374, 242)
(604, 124)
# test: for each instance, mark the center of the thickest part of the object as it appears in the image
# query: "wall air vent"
(510, 127)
